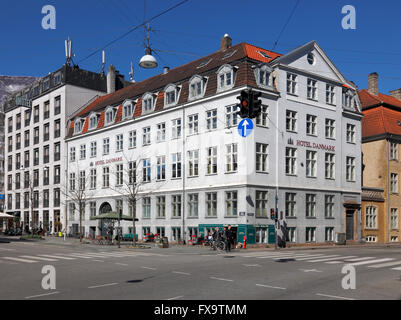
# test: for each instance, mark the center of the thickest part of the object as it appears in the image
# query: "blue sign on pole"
(245, 127)
(2, 196)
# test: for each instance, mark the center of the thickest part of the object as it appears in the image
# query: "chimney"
(166, 70)
(373, 81)
(226, 42)
(111, 79)
(396, 94)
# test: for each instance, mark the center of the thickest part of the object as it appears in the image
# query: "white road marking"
(179, 272)
(398, 269)
(19, 260)
(251, 265)
(42, 295)
(98, 260)
(175, 298)
(121, 264)
(221, 279)
(310, 270)
(331, 259)
(311, 256)
(56, 257)
(369, 262)
(265, 254)
(79, 256)
(389, 264)
(103, 285)
(38, 258)
(271, 287)
(336, 297)
(360, 259)
(6, 249)
(321, 257)
(148, 268)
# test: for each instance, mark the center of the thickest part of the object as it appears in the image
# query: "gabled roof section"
(370, 100)
(379, 121)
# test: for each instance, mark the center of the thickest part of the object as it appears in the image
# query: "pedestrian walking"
(216, 237)
(229, 238)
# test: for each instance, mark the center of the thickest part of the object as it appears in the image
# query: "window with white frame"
(212, 160)
(394, 182)
(131, 172)
(78, 125)
(292, 234)
(231, 204)
(119, 205)
(146, 170)
(161, 132)
(72, 154)
(262, 163)
(394, 218)
(93, 149)
(119, 142)
(211, 204)
(72, 181)
(330, 94)
(350, 169)
(290, 204)
(211, 119)
(176, 165)
(262, 120)
(146, 207)
(92, 208)
(312, 89)
(119, 175)
(132, 139)
(82, 153)
(128, 109)
(347, 98)
(371, 239)
(231, 157)
(170, 96)
(393, 151)
(329, 234)
(71, 207)
(330, 129)
(351, 133)
(82, 180)
(93, 178)
(329, 206)
(371, 217)
(176, 128)
(231, 116)
(290, 161)
(195, 88)
(330, 165)
(311, 164)
(110, 112)
(161, 206)
(291, 121)
(106, 177)
(193, 203)
(310, 234)
(146, 136)
(93, 121)
(311, 125)
(292, 83)
(193, 163)
(264, 76)
(261, 204)
(225, 77)
(193, 124)
(310, 205)
(176, 206)
(106, 146)
(147, 103)
(161, 168)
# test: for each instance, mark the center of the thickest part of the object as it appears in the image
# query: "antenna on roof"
(131, 74)
(68, 51)
(103, 61)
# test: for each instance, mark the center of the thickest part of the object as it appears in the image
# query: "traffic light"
(256, 105)
(272, 216)
(244, 99)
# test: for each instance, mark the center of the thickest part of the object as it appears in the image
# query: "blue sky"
(195, 29)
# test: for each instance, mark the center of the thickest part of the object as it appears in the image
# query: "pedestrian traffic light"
(256, 105)
(272, 214)
(244, 104)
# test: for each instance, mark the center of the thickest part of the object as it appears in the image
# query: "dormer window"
(347, 98)
(93, 121)
(196, 87)
(110, 113)
(57, 78)
(78, 125)
(264, 76)
(46, 84)
(225, 77)
(147, 102)
(128, 109)
(170, 95)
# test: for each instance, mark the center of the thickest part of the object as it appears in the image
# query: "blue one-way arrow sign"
(245, 127)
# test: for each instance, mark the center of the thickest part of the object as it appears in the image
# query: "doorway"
(349, 224)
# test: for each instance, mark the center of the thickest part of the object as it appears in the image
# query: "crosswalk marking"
(321, 257)
(388, 264)
(284, 256)
(56, 257)
(360, 259)
(255, 255)
(369, 262)
(330, 259)
(79, 256)
(38, 258)
(398, 269)
(19, 259)
(297, 257)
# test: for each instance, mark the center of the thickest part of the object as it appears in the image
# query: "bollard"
(244, 243)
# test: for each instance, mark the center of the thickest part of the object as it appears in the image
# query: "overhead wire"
(285, 25)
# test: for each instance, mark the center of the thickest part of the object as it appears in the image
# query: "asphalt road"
(192, 273)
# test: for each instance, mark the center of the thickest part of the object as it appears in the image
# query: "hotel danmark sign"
(312, 145)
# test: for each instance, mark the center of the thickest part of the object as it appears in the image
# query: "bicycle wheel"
(221, 246)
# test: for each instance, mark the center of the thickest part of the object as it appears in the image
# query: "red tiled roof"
(369, 100)
(253, 53)
(380, 120)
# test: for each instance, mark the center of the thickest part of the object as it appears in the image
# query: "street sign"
(245, 127)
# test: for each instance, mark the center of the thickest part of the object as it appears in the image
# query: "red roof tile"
(380, 120)
(369, 100)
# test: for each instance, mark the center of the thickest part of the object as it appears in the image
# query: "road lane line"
(175, 298)
(369, 262)
(281, 256)
(79, 256)
(179, 272)
(306, 256)
(19, 260)
(265, 254)
(398, 269)
(103, 285)
(389, 264)
(148, 268)
(38, 258)
(56, 257)
(221, 279)
(336, 297)
(321, 257)
(271, 287)
(121, 264)
(98, 260)
(360, 259)
(331, 259)
(6, 249)
(42, 295)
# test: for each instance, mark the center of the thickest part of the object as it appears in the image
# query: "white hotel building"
(179, 130)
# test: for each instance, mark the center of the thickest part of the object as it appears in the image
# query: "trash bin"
(165, 242)
(340, 238)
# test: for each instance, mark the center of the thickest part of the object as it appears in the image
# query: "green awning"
(111, 216)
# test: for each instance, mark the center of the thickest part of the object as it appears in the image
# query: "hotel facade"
(176, 137)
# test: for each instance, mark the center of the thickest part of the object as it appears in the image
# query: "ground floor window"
(310, 234)
(193, 233)
(161, 231)
(292, 234)
(145, 232)
(46, 220)
(394, 239)
(176, 233)
(371, 239)
(261, 234)
(329, 234)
